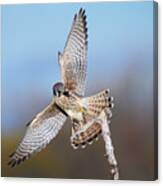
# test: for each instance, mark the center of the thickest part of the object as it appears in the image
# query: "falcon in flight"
(68, 101)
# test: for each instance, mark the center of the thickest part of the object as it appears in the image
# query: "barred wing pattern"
(73, 61)
(98, 102)
(44, 127)
(90, 129)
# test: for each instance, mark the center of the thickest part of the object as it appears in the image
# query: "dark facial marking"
(57, 89)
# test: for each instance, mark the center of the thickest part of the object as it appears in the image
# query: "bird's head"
(59, 89)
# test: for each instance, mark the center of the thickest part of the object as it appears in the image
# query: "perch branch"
(103, 120)
(105, 124)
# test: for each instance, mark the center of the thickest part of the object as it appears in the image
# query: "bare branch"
(105, 124)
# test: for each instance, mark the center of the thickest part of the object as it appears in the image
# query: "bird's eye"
(66, 93)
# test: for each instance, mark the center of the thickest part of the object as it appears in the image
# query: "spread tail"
(94, 105)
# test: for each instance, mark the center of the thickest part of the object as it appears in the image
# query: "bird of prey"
(68, 100)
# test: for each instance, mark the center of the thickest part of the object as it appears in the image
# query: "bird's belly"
(75, 115)
(71, 107)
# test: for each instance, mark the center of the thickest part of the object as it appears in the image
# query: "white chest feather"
(75, 115)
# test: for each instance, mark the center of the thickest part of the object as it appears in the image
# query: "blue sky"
(120, 46)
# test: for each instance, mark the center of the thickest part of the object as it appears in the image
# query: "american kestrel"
(68, 100)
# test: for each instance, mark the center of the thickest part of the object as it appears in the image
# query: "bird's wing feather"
(44, 127)
(73, 61)
(83, 133)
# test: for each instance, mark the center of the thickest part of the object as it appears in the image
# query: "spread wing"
(42, 129)
(73, 61)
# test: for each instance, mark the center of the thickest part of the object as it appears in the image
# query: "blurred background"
(120, 57)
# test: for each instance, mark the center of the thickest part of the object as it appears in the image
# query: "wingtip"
(75, 16)
(11, 155)
(81, 11)
(12, 163)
